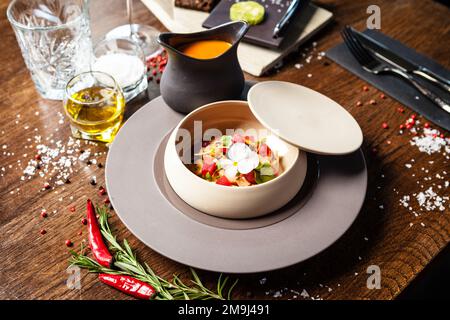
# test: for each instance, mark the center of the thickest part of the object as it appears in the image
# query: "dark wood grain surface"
(386, 234)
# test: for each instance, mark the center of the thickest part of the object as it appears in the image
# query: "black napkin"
(395, 86)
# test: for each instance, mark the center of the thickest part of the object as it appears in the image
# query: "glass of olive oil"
(95, 105)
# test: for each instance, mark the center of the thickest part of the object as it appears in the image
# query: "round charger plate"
(329, 211)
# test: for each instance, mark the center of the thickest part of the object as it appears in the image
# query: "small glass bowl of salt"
(124, 60)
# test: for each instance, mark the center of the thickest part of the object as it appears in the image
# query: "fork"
(371, 64)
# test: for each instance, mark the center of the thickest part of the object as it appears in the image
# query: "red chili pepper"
(129, 285)
(98, 247)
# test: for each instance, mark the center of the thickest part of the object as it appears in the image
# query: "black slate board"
(394, 86)
(260, 34)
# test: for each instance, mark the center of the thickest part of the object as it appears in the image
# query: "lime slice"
(249, 11)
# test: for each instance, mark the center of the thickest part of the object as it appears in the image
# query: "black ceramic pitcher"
(188, 83)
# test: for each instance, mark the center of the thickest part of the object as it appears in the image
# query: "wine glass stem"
(130, 15)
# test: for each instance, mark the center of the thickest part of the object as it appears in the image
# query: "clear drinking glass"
(145, 36)
(55, 39)
(95, 106)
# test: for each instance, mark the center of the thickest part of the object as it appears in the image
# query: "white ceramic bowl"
(223, 201)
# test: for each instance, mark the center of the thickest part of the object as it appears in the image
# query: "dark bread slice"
(201, 5)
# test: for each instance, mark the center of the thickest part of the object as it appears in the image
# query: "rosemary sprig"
(127, 263)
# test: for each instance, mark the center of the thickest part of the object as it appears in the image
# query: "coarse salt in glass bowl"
(124, 60)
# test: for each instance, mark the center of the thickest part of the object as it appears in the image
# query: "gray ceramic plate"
(326, 214)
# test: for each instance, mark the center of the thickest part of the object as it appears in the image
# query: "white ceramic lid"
(305, 118)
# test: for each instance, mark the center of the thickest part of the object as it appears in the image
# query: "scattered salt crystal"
(408, 166)
(405, 201)
(277, 294)
(430, 142)
(304, 294)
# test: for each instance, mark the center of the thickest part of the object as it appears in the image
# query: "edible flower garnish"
(241, 159)
(237, 160)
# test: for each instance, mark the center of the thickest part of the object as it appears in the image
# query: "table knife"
(387, 55)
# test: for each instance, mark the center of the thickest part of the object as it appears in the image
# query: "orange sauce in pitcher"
(205, 49)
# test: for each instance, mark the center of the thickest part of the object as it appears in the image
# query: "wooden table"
(33, 266)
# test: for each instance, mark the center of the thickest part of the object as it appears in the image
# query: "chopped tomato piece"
(209, 166)
(264, 150)
(224, 181)
(238, 138)
(250, 177)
